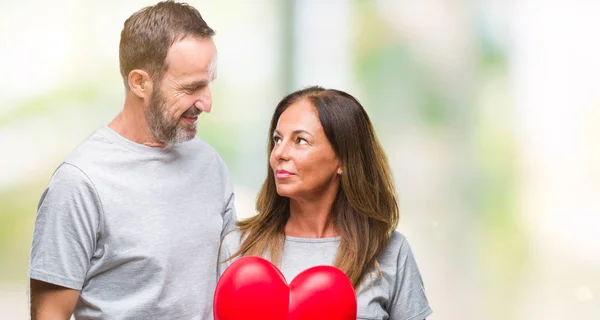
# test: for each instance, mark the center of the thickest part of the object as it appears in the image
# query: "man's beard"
(163, 127)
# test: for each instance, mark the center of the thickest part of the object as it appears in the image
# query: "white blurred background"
(489, 112)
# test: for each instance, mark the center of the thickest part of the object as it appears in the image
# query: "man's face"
(182, 93)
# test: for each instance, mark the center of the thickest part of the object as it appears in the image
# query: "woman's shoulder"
(396, 243)
(396, 250)
(397, 238)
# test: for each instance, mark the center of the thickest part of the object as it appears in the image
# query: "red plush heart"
(253, 288)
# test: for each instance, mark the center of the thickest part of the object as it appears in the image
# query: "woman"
(329, 199)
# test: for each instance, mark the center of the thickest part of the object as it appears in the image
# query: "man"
(129, 226)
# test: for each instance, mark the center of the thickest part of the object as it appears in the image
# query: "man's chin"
(186, 134)
(191, 132)
(190, 135)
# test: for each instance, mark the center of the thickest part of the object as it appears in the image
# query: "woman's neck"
(311, 219)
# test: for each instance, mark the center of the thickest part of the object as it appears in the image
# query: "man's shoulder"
(198, 144)
(200, 148)
(94, 146)
(69, 176)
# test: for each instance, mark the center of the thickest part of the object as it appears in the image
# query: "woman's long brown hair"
(365, 212)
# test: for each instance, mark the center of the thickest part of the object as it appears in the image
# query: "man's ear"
(140, 83)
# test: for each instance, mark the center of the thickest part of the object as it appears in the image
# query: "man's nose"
(204, 100)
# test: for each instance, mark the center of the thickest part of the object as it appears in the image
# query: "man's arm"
(64, 241)
(51, 302)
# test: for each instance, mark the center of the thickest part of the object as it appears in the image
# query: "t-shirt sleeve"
(224, 254)
(65, 230)
(228, 214)
(409, 301)
(229, 246)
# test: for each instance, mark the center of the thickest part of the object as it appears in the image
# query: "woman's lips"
(282, 174)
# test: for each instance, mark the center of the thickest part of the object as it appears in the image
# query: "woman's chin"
(285, 191)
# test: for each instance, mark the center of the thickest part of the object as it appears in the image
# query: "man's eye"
(191, 90)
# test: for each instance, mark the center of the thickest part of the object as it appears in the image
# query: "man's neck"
(131, 124)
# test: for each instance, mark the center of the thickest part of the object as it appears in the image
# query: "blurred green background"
(489, 112)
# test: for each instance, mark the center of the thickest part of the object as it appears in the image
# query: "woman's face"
(302, 159)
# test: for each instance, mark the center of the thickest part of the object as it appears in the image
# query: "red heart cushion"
(253, 288)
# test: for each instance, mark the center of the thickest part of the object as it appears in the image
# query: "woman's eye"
(276, 140)
(302, 141)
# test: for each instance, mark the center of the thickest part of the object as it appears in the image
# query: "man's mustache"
(191, 112)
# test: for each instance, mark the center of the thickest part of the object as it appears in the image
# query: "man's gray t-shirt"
(398, 294)
(136, 229)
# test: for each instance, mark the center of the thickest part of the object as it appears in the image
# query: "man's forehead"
(192, 52)
(194, 58)
(212, 68)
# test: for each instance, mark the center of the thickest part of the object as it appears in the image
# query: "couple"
(131, 223)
